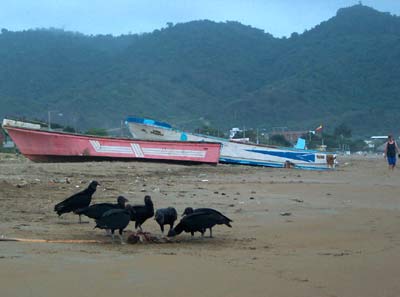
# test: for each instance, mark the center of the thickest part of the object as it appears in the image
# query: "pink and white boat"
(46, 146)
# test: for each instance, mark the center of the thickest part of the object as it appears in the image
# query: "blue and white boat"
(236, 152)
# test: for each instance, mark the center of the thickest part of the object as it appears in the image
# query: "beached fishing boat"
(236, 152)
(46, 146)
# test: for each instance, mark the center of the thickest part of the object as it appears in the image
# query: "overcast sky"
(278, 17)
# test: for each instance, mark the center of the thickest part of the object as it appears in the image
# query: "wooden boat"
(45, 146)
(236, 152)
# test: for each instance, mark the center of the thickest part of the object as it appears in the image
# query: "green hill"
(345, 70)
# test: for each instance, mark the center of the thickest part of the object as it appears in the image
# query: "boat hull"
(45, 146)
(236, 152)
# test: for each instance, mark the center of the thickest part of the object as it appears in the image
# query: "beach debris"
(338, 254)
(288, 164)
(297, 200)
(204, 180)
(251, 198)
(285, 213)
(298, 279)
(22, 184)
(60, 180)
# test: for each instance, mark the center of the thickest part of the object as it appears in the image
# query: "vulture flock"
(117, 216)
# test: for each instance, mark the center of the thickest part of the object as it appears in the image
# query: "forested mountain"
(345, 70)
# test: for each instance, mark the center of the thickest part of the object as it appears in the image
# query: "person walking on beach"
(391, 149)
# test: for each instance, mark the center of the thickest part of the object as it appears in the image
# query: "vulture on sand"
(166, 216)
(140, 213)
(77, 201)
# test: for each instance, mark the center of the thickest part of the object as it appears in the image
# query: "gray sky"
(278, 17)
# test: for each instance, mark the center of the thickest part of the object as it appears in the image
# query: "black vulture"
(140, 213)
(219, 218)
(95, 211)
(114, 219)
(77, 201)
(166, 216)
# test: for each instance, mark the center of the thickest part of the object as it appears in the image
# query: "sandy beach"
(295, 233)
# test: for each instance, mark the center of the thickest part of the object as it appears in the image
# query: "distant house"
(291, 136)
(379, 137)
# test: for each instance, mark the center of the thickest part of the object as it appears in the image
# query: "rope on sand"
(3, 238)
(133, 238)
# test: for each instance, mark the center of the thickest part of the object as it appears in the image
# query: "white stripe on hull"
(174, 152)
(110, 149)
(135, 149)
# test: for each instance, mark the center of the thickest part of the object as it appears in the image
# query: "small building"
(379, 137)
(233, 132)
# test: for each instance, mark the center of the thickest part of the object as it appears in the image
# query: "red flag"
(318, 129)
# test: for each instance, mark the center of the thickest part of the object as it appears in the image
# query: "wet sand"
(340, 239)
